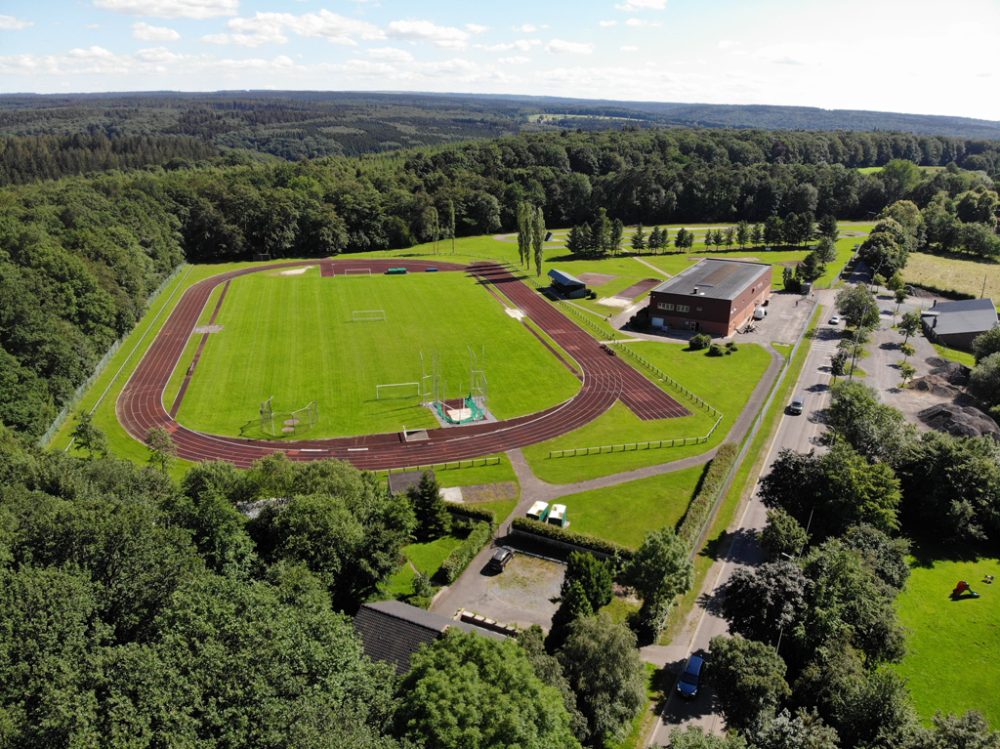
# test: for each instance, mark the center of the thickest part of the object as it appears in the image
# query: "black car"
(500, 559)
(690, 681)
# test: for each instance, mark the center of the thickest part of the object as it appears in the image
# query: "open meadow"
(953, 272)
(951, 646)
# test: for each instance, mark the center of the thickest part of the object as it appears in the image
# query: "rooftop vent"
(694, 290)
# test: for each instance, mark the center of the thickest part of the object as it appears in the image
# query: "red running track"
(606, 378)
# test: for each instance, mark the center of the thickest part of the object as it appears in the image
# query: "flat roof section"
(565, 279)
(715, 279)
(966, 316)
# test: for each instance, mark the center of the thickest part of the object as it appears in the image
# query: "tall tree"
(451, 223)
(593, 574)
(525, 230)
(749, 680)
(602, 664)
(88, 437)
(538, 238)
(575, 605)
(433, 519)
(639, 239)
(464, 691)
(161, 448)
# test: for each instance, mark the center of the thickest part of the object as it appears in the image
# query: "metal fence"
(451, 465)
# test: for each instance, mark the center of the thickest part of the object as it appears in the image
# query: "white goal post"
(397, 390)
(368, 315)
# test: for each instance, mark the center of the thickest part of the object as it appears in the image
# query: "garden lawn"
(954, 273)
(953, 354)
(425, 558)
(627, 512)
(293, 338)
(951, 646)
(725, 382)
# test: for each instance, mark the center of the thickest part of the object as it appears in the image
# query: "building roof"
(966, 316)
(714, 279)
(565, 279)
(393, 631)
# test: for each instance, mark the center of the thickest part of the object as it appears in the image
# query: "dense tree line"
(79, 256)
(29, 158)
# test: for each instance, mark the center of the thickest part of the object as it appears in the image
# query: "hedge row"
(456, 562)
(589, 543)
(946, 293)
(697, 514)
(472, 512)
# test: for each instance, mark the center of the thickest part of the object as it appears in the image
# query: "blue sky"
(920, 56)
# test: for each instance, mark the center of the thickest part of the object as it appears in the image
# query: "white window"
(683, 308)
(666, 306)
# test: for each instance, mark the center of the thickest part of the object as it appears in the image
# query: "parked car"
(500, 559)
(690, 681)
(796, 406)
(835, 320)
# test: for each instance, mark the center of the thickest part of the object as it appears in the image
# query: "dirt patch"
(489, 492)
(207, 329)
(639, 288)
(596, 279)
(961, 421)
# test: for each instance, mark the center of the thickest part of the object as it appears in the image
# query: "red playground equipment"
(963, 590)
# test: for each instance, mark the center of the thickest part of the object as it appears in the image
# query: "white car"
(835, 320)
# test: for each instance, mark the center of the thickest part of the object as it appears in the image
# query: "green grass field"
(293, 337)
(627, 512)
(953, 272)
(951, 662)
(953, 354)
(724, 382)
(425, 558)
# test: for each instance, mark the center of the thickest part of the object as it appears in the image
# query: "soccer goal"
(357, 271)
(368, 315)
(397, 390)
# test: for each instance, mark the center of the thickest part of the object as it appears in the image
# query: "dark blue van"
(688, 684)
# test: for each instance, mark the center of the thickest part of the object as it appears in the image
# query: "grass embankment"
(103, 394)
(724, 382)
(743, 482)
(627, 512)
(953, 272)
(951, 646)
(953, 354)
(295, 338)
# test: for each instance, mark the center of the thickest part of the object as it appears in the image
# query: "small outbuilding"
(956, 324)
(393, 631)
(566, 285)
(713, 296)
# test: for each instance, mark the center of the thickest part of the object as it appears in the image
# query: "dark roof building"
(712, 296)
(956, 324)
(567, 285)
(393, 631)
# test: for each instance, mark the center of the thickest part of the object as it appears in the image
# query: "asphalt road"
(796, 432)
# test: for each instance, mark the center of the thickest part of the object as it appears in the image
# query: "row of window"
(668, 307)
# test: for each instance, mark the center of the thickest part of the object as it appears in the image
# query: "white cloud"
(727, 44)
(526, 28)
(272, 28)
(476, 28)
(561, 46)
(629, 48)
(441, 36)
(607, 24)
(172, 8)
(157, 55)
(148, 33)
(515, 60)
(390, 54)
(642, 23)
(631, 6)
(9, 23)
(522, 45)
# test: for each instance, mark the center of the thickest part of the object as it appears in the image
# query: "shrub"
(715, 350)
(700, 341)
(456, 562)
(700, 507)
(731, 346)
(582, 540)
(471, 512)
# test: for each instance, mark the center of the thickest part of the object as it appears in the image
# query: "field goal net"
(368, 315)
(397, 390)
(287, 423)
(357, 271)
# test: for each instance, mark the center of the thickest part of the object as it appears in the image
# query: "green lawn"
(627, 512)
(724, 382)
(951, 662)
(953, 354)
(293, 338)
(425, 558)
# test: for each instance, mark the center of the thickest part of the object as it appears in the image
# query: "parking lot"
(523, 594)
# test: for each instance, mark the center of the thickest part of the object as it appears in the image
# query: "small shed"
(567, 285)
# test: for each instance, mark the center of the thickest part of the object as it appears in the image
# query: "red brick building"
(713, 296)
